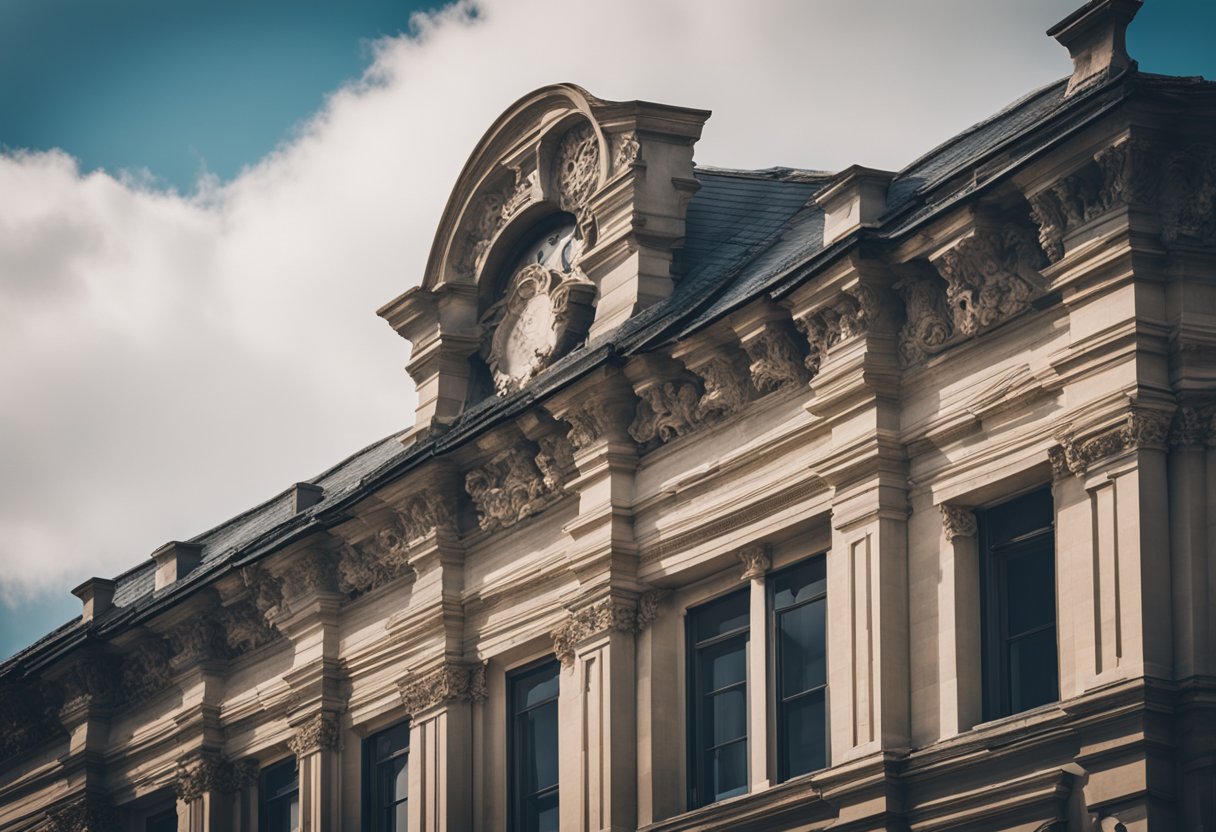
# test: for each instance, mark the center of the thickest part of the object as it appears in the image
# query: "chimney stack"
(857, 196)
(1095, 37)
(175, 560)
(305, 495)
(97, 595)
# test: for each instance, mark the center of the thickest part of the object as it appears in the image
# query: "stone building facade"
(734, 500)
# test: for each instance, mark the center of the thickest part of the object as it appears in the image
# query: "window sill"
(796, 799)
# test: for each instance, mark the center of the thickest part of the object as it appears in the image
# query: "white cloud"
(167, 361)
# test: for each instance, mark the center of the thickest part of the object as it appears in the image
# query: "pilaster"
(210, 791)
(960, 699)
(316, 743)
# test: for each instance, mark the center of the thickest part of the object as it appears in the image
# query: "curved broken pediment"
(611, 179)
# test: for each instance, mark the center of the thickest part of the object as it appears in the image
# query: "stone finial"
(175, 560)
(1095, 37)
(97, 595)
(305, 495)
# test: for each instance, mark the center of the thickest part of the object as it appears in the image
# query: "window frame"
(265, 799)
(994, 558)
(516, 801)
(371, 776)
(697, 781)
(775, 670)
(160, 817)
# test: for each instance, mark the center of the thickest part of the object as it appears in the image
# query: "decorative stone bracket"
(847, 315)
(610, 614)
(449, 682)
(519, 481)
(318, 733)
(213, 773)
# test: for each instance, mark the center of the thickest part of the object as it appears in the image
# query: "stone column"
(316, 744)
(440, 704)
(959, 661)
(597, 745)
(207, 792)
(756, 563)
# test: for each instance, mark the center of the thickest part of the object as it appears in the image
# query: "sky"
(203, 203)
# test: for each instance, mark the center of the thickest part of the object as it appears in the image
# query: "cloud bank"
(168, 360)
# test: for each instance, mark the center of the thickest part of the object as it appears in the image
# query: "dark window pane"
(805, 736)
(401, 779)
(799, 583)
(165, 821)
(729, 712)
(538, 739)
(720, 617)
(729, 770)
(802, 648)
(1019, 517)
(1032, 671)
(724, 664)
(534, 689)
(542, 814)
(1030, 590)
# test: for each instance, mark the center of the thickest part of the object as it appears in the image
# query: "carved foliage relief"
(518, 482)
(448, 683)
(849, 315)
(600, 617)
(666, 410)
(1138, 429)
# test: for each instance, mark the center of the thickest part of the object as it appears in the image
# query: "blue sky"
(177, 88)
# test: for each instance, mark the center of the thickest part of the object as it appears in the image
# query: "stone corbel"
(958, 521)
(598, 411)
(374, 561)
(768, 337)
(1191, 427)
(510, 486)
(756, 560)
(89, 688)
(1078, 452)
(608, 614)
(723, 371)
(313, 571)
(450, 682)
(668, 398)
(145, 670)
(845, 315)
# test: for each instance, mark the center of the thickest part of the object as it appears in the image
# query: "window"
(798, 601)
(386, 779)
(1017, 569)
(532, 747)
(717, 690)
(165, 821)
(279, 798)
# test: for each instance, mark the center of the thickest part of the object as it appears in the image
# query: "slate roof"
(748, 232)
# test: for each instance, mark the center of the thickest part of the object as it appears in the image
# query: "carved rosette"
(510, 487)
(666, 410)
(726, 388)
(319, 733)
(1139, 429)
(958, 521)
(601, 617)
(991, 276)
(576, 173)
(775, 360)
(89, 813)
(756, 561)
(448, 683)
(212, 773)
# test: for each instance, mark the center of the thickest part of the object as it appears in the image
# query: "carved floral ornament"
(958, 521)
(88, 813)
(990, 276)
(1181, 184)
(845, 317)
(213, 773)
(610, 614)
(519, 482)
(449, 682)
(1138, 429)
(318, 733)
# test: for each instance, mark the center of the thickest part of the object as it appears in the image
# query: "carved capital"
(648, 607)
(319, 733)
(756, 561)
(212, 773)
(958, 521)
(449, 682)
(1190, 427)
(603, 616)
(89, 813)
(1138, 429)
